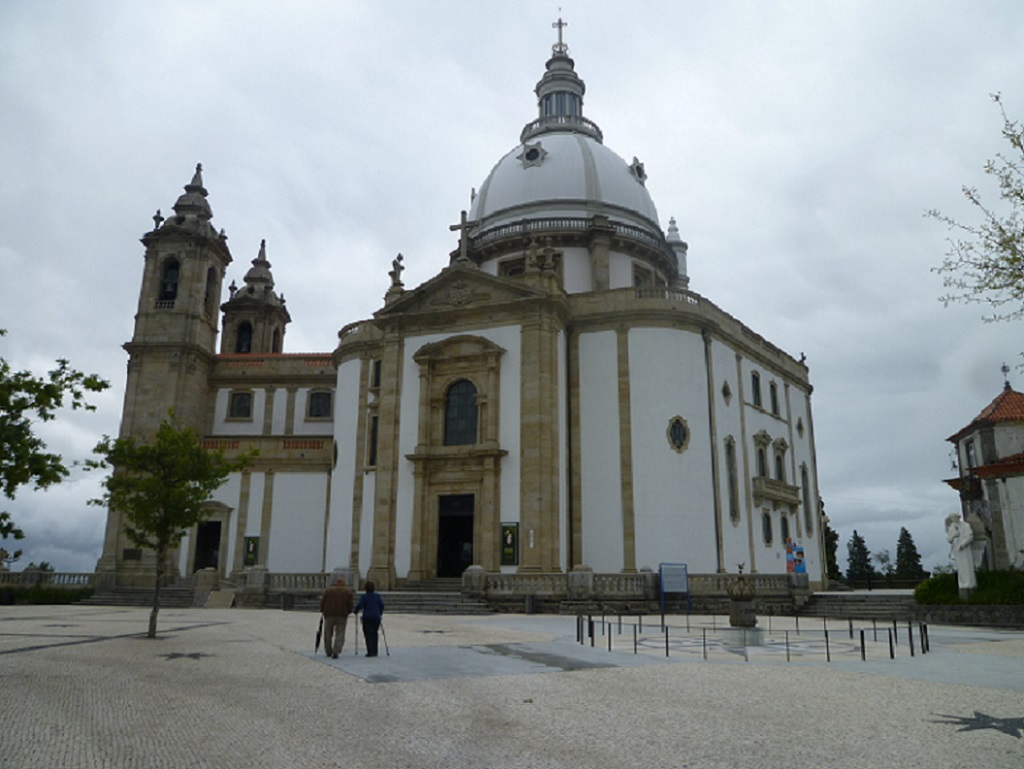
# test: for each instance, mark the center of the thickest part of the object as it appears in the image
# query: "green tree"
(24, 399)
(984, 263)
(832, 553)
(161, 488)
(858, 562)
(908, 560)
(885, 565)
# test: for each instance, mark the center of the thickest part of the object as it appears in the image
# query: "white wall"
(297, 522)
(600, 465)
(1011, 501)
(1009, 440)
(673, 495)
(346, 420)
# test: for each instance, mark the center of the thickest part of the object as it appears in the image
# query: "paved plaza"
(83, 688)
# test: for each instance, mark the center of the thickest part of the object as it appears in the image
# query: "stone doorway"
(207, 545)
(454, 534)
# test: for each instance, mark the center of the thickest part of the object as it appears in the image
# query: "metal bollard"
(828, 650)
(609, 639)
(863, 651)
(850, 620)
(910, 637)
(874, 628)
(634, 639)
(892, 647)
(787, 647)
(704, 641)
(666, 640)
(895, 634)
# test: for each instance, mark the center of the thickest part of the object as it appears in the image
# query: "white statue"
(960, 536)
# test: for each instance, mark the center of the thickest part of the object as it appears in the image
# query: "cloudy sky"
(798, 145)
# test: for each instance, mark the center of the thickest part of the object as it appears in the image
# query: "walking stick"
(385, 637)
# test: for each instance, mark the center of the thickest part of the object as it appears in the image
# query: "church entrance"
(454, 534)
(207, 545)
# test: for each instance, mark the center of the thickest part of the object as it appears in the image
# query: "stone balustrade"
(34, 577)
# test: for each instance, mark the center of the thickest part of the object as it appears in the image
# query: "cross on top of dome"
(560, 47)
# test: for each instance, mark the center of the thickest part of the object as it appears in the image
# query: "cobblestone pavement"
(83, 688)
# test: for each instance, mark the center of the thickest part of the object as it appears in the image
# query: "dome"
(563, 173)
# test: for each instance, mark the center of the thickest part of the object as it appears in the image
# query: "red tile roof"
(1008, 406)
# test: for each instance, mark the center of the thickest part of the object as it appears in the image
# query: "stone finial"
(158, 219)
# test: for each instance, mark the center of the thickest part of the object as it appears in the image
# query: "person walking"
(335, 605)
(372, 607)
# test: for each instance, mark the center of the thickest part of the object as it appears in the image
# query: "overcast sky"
(798, 145)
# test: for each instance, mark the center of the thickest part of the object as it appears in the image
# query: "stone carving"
(960, 537)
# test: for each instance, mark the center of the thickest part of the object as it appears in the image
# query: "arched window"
(243, 340)
(762, 463)
(277, 340)
(784, 528)
(460, 414)
(780, 468)
(169, 281)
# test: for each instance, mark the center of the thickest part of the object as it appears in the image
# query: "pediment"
(459, 287)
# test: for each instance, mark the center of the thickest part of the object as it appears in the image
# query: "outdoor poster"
(510, 544)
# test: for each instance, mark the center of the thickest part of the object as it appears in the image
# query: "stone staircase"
(861, 605)
(436, 596)
(171, 597)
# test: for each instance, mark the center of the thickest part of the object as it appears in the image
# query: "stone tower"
(255, 316)
(172, 350)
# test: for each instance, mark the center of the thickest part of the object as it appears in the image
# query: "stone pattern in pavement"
(225, 688)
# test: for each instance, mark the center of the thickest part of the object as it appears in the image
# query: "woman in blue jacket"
(372, 607)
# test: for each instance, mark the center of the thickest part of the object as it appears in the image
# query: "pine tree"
(908, 560)
(831, 553)
(858, 566)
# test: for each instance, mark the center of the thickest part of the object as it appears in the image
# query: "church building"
(556, 396)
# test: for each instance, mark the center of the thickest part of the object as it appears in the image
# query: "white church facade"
(554, 397)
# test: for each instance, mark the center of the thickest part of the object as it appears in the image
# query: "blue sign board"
(674, 579)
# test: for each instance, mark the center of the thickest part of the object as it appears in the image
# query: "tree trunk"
(160, 558)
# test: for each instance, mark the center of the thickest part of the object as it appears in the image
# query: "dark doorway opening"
(454, 534)
(207, 545)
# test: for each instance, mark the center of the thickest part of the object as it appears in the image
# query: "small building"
(990, 457)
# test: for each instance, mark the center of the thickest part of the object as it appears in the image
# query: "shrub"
(994, 588)
(42, 595)
(941, 589)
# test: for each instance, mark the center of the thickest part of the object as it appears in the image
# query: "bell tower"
(255, 316)
(172, 351)
(174, 344)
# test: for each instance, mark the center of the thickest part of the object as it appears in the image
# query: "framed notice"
(510, 544)
(252, 550)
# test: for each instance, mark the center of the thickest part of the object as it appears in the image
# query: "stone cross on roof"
(463, 227)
